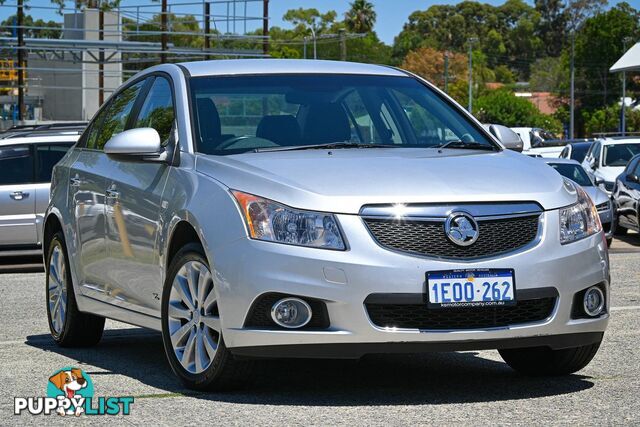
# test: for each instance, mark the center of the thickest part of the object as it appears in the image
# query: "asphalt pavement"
(440, 388)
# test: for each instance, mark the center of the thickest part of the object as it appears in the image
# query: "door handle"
(19, 195)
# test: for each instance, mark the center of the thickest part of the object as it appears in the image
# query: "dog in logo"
(69, 382)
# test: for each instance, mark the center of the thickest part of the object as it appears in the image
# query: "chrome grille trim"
(432, 212)
(419, 235)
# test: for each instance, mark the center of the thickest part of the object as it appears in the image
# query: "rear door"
(17, 198)
(46, 157)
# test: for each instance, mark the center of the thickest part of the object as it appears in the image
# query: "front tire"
(191, 327)
(543, 361)
(69, 327)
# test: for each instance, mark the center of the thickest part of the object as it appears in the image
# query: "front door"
(134, 204)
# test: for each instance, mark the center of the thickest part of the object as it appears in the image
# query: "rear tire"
(543, 361)
(69, 327)
(609, 242)
(617, 229)
(191, 328)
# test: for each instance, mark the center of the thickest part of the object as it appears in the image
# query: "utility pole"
(207, 25)
(100, 55)
(304, 47)
(572, 101)
(265, 27)
(164, 38)
(446, 71)
(471, 40)
(623, 118)
(21, 61)
(343, 45)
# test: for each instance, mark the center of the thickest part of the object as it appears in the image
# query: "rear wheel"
(69, 327)
(191, 329)
(543, 361)
(617, 229)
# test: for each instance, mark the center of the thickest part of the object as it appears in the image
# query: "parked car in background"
(291, 208)
(607, 158)
(576, 150)
(626, 198)
(62, 128)
(539, 142)
(25, 175)
(575, 171)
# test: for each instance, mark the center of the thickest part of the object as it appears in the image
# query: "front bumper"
(247, 269)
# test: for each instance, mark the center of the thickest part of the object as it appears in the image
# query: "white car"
(539, 142)
(607, 158)
(26, 162)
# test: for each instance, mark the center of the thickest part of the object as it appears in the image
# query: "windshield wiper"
(468, 145)
(329, 146)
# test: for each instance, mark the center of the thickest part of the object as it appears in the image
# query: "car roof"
(549, 160)
(285, 66)
(42, 139)
(621, 140)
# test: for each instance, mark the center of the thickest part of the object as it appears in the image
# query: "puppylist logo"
(70, 392)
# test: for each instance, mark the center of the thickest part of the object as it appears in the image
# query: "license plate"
(471, 288)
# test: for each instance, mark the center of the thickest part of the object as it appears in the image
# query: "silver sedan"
(277, 208)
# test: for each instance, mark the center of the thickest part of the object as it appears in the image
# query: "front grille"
(428, 237)
(418, 316)
(603, 207)
(260, 312)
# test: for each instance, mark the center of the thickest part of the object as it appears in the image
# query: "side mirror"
(599, 181)
(507, 137)
(633, 178)
(141, 143)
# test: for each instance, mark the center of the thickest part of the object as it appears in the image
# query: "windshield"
(578, 152)
(249, 113)
(619, 154)
(575, 173)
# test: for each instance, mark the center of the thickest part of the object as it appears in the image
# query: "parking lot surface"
(441, 388)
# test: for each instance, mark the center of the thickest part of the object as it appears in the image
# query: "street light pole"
(623, 119)
(572, 101)
(471, 40)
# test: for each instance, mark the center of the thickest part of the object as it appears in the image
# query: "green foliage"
(504, 74)
(607, 119)
(52, 31)
(503, 107)
(361, 17)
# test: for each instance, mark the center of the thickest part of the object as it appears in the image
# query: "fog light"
(593, 302)
(291, 313)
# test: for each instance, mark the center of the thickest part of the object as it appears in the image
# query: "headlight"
(273, 222)
(579, 220)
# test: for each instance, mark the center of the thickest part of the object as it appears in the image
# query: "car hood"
(609, 173)
(344, 180)
(597, 195)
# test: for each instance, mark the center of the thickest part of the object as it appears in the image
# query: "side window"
(157, 111)
(116, 115)
(596, 154)
(46, 158)
(565, 153)
(94, 129)
(16, 165)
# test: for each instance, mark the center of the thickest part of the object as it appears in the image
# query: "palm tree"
(361, 17)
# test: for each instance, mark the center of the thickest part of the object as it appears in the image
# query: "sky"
(392, 14)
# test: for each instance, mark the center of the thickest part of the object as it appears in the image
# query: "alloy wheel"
(193, 317)
(57, 289)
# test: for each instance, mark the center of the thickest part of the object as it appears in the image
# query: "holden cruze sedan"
(276, 208)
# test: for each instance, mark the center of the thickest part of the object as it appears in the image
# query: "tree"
(503, 107)
(361, 17)
(598, 45)
(48, 30)
(551, 28)
(305, 19)
(549, 75)
(428, 62)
